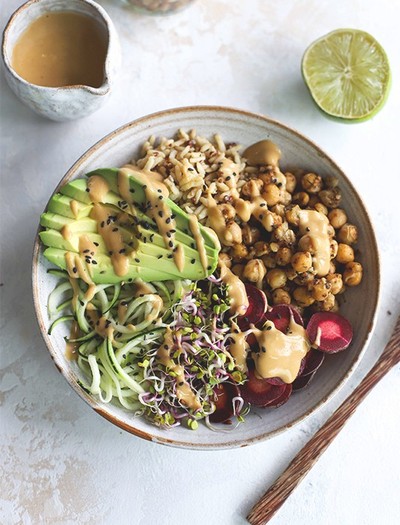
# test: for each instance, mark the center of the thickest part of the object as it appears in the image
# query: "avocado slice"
(72, 216)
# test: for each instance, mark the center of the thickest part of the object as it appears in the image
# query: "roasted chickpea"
(291, 182)
(321, 208)
(301, 198)
(250, 234)
(255, 271)
(285, 198)
(261, 248)
(348, 234)
(225, 259)
(303, 297)
(352, 274)
(312, 183)
(331, 231)
(331, 198)
(293, 215)
(337, 217)
(334, 248)
(271, 193)
(320, 289)
(301, 261)
(314, 199)
(276, 278)
(336, 282)
(281, 296)
(291, 274)
(269, 261)
(331, 181)
(232, 234)
(237, 269)
(328, 304)
(345, 253)
(279, 209)
(239, 252)
(283, 256)
(332, 267)
(252, 188)
(284, 234)
(305, 278)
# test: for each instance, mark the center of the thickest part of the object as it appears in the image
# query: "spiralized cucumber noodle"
(117, 334)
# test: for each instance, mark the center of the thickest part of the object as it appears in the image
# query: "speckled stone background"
(62, 464)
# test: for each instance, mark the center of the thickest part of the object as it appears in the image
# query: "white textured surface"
(60, 462)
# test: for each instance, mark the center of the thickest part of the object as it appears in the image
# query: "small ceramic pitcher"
(66, 102)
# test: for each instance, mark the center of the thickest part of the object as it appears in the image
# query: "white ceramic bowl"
(360, 303)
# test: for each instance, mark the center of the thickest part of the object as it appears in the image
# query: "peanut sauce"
(194, 228)
(61, 49)
(74, 208)
(257, 208)
(280, 354)
(235, 288)
(229, 171)
(183, 390)
(264, 152)
(98, 188)
(217, 222)
(314, 229)
(238, 347)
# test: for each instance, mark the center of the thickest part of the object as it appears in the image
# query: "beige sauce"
(314, 228)
(229, 172)
(258, 209)
(66, 232)
(71, 349)
(183, 391)
(98, 188)
(238, 347)
(77, 268)
(264, 152)
(74, 205)
(121, 311)
(280, 354)
(61, 49)
(101, 324)
(217, 222)
(142, 288)
(236, 290)
(112, 239)
(195, 229)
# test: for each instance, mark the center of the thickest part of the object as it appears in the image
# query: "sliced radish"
(281, 314)
(302, 381)
(223, 396)
(257, 307)
(312, 362)
(287, 392)
(259, 392)
(329, 331)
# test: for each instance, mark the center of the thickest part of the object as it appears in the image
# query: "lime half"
(348, 74)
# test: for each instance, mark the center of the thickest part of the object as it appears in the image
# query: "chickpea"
(348, 234)
(271, 194)
(227, 210)
(345, 253)
(331, 181)
(301, 198)
(331, 198)
(291, 274)
(284, 234)
(269, 261)
(261, 248)
(239, 252)
(352, 274)
(279, 209)
(332, 267)
(313, 201)
(225, 259)
(293, 215)
(281, 296)
(312, 183)
(274, 247)
(291, 182)
(334, 248)
(255, 271)
(277, 220)
(252, 188)
(304, 278)
(237, 269)
(232, 234)
(320, 289)
(301, 261)
(336, 282)
(321, 208)
(283, 256)
(331, 231)
(327, 304)
(337, 217)
(303, 297)
(276, 278)
(285, 198)
(250, 234)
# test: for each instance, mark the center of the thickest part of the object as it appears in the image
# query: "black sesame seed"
(87, 189)
(263, 349)
(208, 267)
(132, 190)
(168, 220)
(96, 243)
(86, 251)
(137, 260)
(269, 327)
(160, 197)
(110, 252)
(263, 204)
(144, 187)
(160, 213)
(169, 235)
(115, 229)
(81, 302)
(102, 271)
(122, 250)
(159, 191)
(228, 178)
(261, 216)
(170, 256)
(102, 224)
(159, 257)
(193, 261)
(171, 244)
(94, 262)
(75, 269)
(173, 216)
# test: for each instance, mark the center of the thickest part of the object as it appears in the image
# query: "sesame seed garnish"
(94, 262)
(96, 243)
(102, 224)
(115, 229)
(168, 220)
(160, 213)
(86, 251)
(75, 269)
(137, 260)
(122, 250)
(171, 244)
(110, 252)
(192, 261)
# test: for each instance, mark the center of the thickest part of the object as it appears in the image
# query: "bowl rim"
(94, 404)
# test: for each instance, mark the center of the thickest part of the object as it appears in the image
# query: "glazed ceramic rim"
(105, 86)
(148, 120)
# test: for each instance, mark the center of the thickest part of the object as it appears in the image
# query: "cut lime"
(348, 74)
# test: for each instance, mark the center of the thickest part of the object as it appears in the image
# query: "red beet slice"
(275, 381)
(312, 361)
(302, 381)
(224, 394)
(287, 392)
(257, 307)
(280, 315)
(259, 392)
(336, 331)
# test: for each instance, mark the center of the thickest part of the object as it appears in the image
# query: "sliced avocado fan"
(119, 225)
